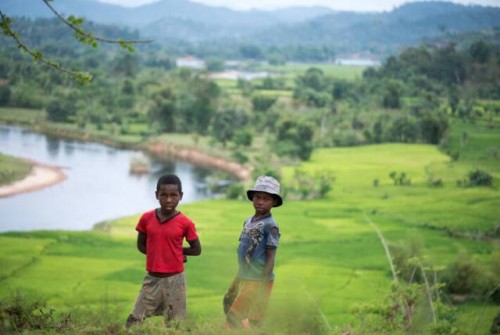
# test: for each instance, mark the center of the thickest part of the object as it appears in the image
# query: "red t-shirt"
(164, 241)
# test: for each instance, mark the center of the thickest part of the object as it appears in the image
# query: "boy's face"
(263, 202)
(168, 196)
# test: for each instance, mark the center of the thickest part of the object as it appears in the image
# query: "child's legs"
(174, 294)
(231, 294)
(259, 307)
(149, 300)
(250, 302)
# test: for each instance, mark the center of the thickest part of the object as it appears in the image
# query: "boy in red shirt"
(161, 233)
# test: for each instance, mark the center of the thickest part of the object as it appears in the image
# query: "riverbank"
(41, 176)
(198, 158)
(159, 147)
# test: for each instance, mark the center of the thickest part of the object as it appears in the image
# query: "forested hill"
(189, 23)
(382, 33)
(166, 9)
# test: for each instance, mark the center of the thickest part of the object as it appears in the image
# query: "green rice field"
(330, 261)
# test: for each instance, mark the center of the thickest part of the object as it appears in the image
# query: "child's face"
(168, 196)
(263, 202)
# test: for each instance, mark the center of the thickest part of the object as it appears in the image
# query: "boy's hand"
(185, 258)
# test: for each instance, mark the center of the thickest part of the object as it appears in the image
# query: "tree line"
(409, 98)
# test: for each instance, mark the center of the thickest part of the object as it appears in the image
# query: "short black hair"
(171, 179)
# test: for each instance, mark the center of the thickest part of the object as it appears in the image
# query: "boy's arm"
(194, 248)
(268, 270)
(141, 242)
(271, 255)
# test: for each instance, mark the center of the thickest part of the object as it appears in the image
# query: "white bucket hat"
(269, 185)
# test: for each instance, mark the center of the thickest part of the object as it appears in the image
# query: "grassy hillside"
(330, 263)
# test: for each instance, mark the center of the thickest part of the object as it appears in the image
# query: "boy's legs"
(249, 305)
(160, 296)
(174, 297)
(231, 294)
(148, 301)
(258, 312)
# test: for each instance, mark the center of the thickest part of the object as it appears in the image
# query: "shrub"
(479, 178)
(294, 139)
(400, 179)
(306, 186)
(495, 325)
(235, 191)
(462, 276)
(19, 314)
(435, 182)
(263, 103)
(494, 293)
(402, 254)
(57, 112)
(265, 170)
(243, 138)
(5, 94)
(239, 157)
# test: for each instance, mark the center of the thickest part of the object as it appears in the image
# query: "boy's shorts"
(161, 296)
(248, 299)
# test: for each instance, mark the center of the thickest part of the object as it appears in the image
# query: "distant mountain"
(90, 9)
(187, 22)
(170, 20)
(383, 33)
(298, 14)
(147, 14)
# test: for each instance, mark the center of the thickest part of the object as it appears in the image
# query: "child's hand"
(185, 258)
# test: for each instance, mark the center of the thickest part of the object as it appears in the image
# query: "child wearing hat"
(246, 300)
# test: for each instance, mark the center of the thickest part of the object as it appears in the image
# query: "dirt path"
(41, 176)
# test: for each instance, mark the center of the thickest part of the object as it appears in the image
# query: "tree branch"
(37, 56)
(86, 37)
(80, 34)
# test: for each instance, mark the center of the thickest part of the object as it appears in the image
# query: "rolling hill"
(186, 22)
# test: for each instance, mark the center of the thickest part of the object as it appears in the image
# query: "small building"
(236, 74)
(190, 62)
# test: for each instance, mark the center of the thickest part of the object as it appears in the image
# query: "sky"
(347, 5)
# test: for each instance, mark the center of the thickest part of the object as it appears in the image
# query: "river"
(98, 187)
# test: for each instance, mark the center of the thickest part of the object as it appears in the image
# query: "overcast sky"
(350, 5)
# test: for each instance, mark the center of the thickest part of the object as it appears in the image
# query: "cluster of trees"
(407, 99)
(273, 54)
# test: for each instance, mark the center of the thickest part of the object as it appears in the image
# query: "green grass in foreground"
(329, 262)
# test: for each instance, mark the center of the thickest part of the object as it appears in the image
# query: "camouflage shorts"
(161, 296)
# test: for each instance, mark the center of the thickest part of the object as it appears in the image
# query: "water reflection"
(53, 146)
(99, 184)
